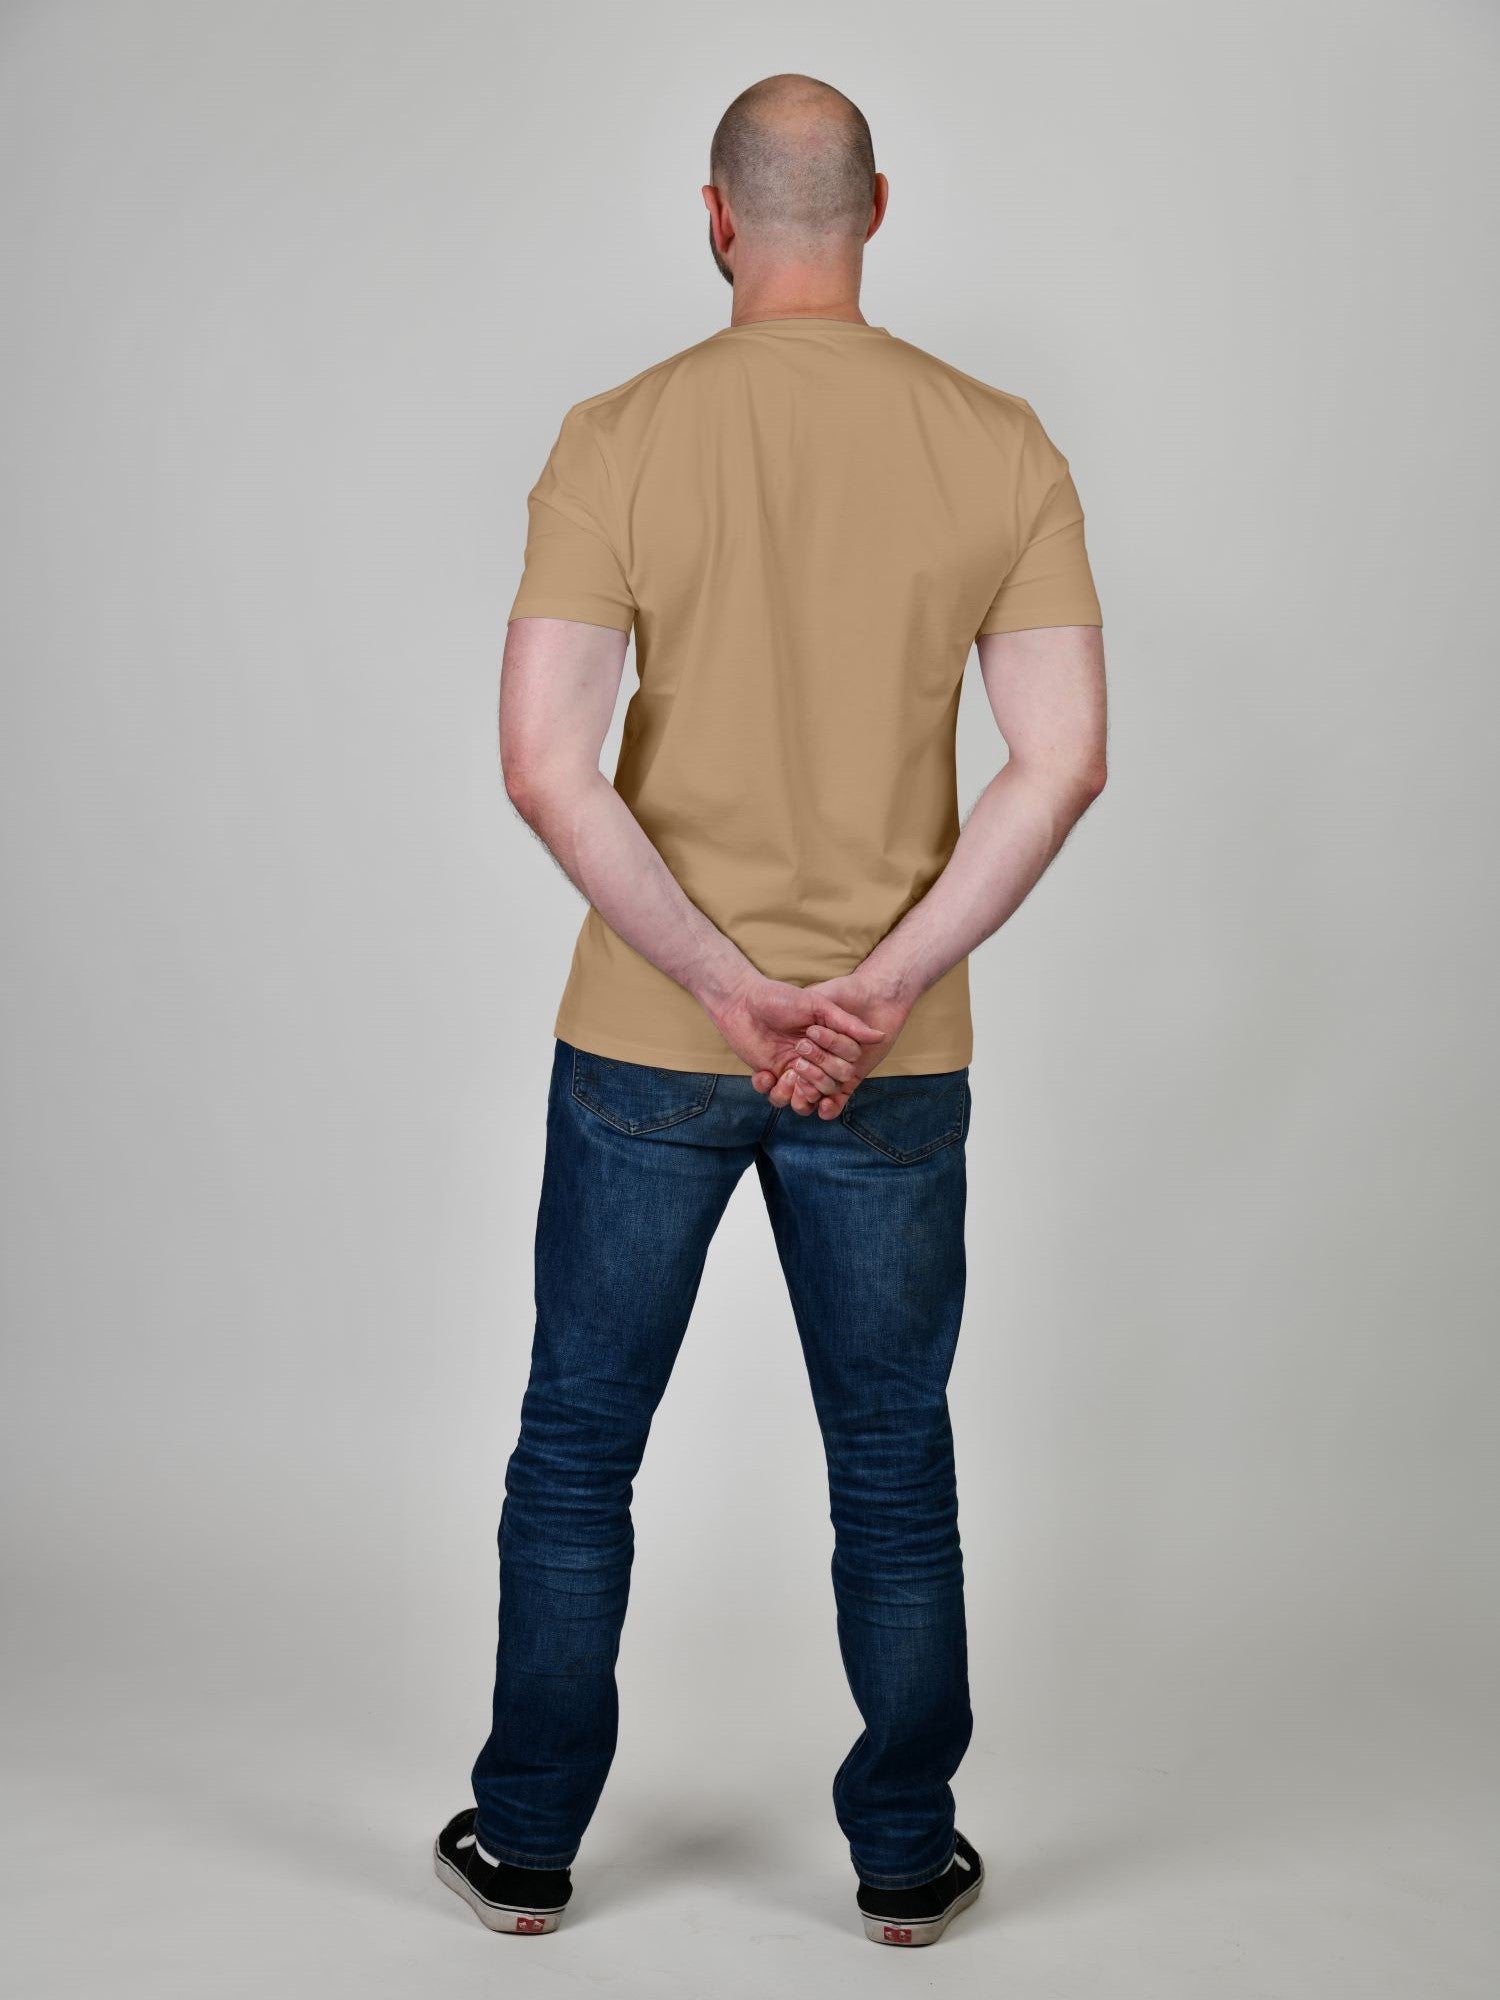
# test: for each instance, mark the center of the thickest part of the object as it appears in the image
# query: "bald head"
(793, 158)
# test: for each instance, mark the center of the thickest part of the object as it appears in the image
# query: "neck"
(796, 291)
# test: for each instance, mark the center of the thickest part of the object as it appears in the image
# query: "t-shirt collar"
(799, 320)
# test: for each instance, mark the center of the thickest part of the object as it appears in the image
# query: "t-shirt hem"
(1038, 621)
(920, 1060)
(582, 610)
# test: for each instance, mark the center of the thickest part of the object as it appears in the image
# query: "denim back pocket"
(634, 1097)
(909, 1117)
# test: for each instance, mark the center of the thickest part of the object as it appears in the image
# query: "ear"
(720, 221)
(878, 207)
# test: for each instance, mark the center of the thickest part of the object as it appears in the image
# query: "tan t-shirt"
(807, 522)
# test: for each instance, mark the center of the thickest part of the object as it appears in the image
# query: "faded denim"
(867, 1212)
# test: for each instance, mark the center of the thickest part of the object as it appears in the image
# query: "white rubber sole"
(891, 1930)
(507, 1919)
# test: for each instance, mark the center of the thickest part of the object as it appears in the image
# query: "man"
(808, 522)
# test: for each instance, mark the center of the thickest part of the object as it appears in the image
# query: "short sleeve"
(1050, 582)
(573, 560)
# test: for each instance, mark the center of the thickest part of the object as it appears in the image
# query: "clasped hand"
(810, 1046)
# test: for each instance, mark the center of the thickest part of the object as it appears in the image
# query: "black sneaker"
(921, 1915)
(504, 1897)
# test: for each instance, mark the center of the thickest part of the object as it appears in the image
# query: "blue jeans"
(867, 1212)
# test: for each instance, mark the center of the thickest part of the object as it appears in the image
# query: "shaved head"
(793, 158)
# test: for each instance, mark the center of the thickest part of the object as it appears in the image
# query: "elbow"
(542, 790)
(1071, 777)
(523, 788)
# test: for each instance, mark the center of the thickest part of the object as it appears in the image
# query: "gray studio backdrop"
(295, 298)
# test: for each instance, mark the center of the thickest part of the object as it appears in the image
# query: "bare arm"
(1046, 689)
(558, 687)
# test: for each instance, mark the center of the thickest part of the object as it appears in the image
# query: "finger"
(784, 1088)
(835, 1043)
(812, 1080)
(762, 1080)
(834, 1016)
(837, 1067)
(804, 1101)
(832, 1107)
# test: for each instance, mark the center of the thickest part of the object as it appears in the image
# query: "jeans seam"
(853, 1118)
(637, 1128)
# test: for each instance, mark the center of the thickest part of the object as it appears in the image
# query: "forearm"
(604, 851)
(1018, 825)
